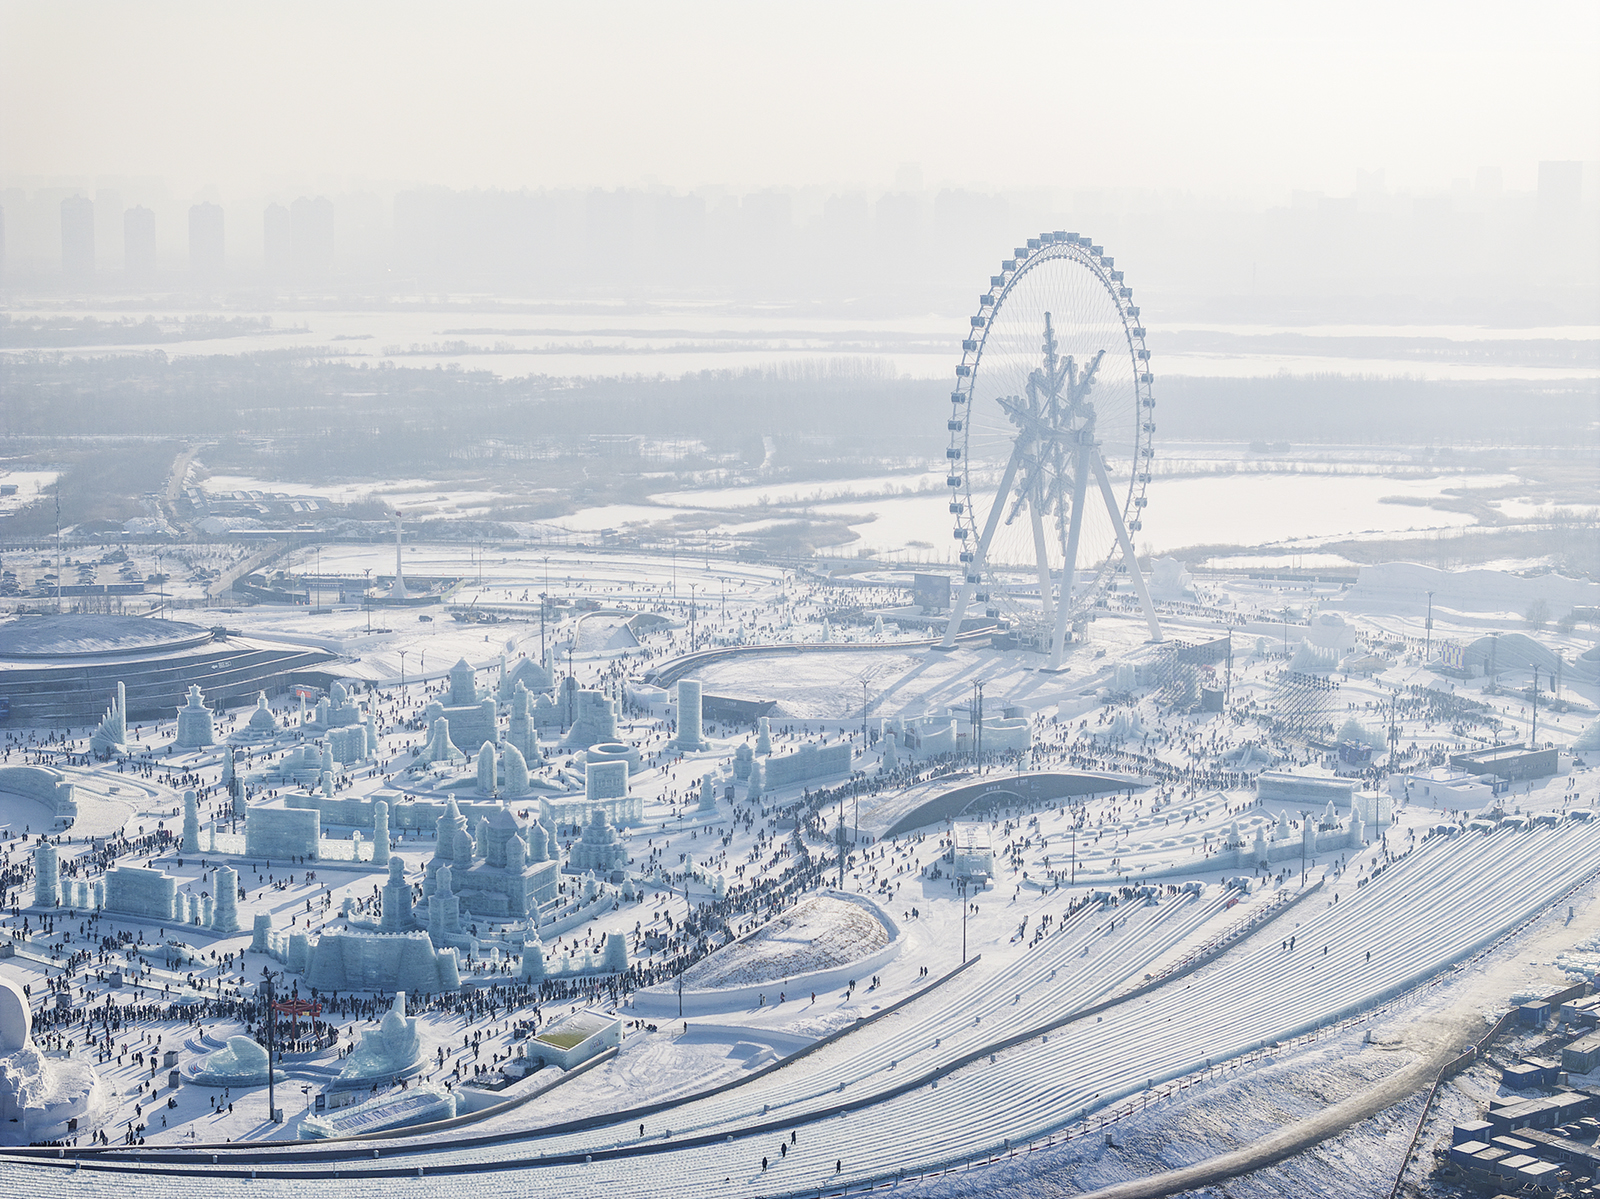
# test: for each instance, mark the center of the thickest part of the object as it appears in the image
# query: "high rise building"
(277, 245)
(77, 236)
(311, 228)
(205, 240)
(139, 242)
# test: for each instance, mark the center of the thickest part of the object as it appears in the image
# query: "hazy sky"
(1242, 99)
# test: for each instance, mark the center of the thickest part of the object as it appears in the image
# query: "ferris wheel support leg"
(1128, 556)
(1069, 567)
(1042, 555)
(970, 587)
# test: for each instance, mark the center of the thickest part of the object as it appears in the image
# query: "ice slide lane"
(1440, 904)
(1456, 897)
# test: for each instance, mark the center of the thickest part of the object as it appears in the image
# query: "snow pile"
(818, 934)
(1582, 960)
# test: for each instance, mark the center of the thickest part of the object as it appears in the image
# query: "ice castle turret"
(191, 823)
(46, 875)
(225, 913)
(763, 736)
(690, 734)
(380, 831)
(521, 732)
(487, 782)
(396, 913)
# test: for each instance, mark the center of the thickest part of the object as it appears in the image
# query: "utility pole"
(58, 547)
(1533, 733)
(841, 841)
(977, 724)
(1227, 678)
(964, 906)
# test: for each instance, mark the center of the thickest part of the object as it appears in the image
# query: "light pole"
(272, 1023)
(1533, 732)
(1427, 650)
(962, 886)
(403, 654)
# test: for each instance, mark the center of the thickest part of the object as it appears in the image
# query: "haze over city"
(788, 599)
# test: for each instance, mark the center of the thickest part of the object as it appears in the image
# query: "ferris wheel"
(1051, 435)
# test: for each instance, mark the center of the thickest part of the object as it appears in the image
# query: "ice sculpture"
(516, 781)
(191, 823)
(196, 725)
(46, 875)
(439, 747)
(241, 1063)
(616, 959)
(263, 725)
(225, 915)
(470, 713)
(282, 833)
(594, 721)
(533, 958)
(891, 753)
(690, 735)
(396, 911)
(487, 782)
(388, 1051)
(380, 832)
(521, 732)
(763, 736)
(111, 737)
(708, 794)
(39, 1096)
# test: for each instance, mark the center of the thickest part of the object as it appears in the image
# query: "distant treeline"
(386, 417)
(57, 332)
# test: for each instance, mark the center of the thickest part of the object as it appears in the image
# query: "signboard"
(1453, 655)
(931, 593)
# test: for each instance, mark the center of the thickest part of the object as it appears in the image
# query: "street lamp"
(961, 885)
(272, 1023)
(403, 654)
